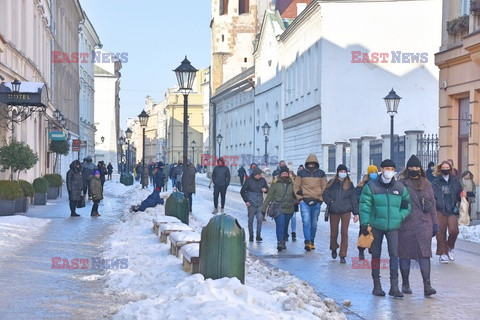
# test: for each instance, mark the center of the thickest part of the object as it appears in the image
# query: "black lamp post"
(392, 100)
(121, 142)
(219, 141)
(128, 134)
(194, 144)
(16, 86)
(185, 76)
(143, 118)
(266, 131)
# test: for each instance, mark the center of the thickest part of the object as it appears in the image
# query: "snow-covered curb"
(17, 231)
(159, 288)
(471, 233)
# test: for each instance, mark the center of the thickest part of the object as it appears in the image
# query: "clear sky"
(156, 34)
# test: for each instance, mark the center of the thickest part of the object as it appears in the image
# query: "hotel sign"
(31, 94)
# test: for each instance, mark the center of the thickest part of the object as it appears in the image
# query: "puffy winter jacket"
(384, 206)
(281, 192)
(188, 179)
(252, 189)
(221, 176)
(96, 189)
(447, 193)
(151, 201)
(74, 182)
(159, 178)
(340, 200)
(309, 184)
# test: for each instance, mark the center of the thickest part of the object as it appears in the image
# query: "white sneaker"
(443, 258)
(222, 210)
(450, 255)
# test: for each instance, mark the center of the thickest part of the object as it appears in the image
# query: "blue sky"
(156, 34)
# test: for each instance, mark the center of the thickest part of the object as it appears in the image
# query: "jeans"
(293, 224)
(252, 213)
(392, 241)
(310, 219)
(222, 191)
(281, 223)
(174, 182)
(95, 206)
(189, 197)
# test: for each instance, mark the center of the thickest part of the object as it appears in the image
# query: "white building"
(107, 108)
(88, 42)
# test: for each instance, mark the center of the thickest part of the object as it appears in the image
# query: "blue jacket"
(159, 178)
(151, 201)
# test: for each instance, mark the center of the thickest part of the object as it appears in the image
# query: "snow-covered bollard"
(191, 257)
(179, 239)
(167, 228)
(162, 220)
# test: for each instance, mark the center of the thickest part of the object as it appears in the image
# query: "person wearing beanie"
(429, 172)
(384, 205)
(221, 181)
(372, 174)
(95, 192)
(159, 176)
(281, 192)
(252, 194)
(150, 202)
(416, 232)
(341, 199)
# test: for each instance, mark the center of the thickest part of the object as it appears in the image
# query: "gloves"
(435, 230)
(364, 230)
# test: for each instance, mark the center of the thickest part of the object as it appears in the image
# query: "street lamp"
(392, 100)
(143, 118)
(185, 76)
(121, 142)
(266, 131)
(194, 144)
(219, 141)
(128, 134)
(16, 86)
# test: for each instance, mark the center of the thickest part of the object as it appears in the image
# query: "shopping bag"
(81, 203)
(464, 219)
(365, 241)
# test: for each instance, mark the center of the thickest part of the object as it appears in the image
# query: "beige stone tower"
(234, 25)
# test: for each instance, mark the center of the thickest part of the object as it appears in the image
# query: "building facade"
(107, 109)
(459, 86)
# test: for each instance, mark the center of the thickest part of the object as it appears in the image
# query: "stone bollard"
(177, 206)
(223, 249)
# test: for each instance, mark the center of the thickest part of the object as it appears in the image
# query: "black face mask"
(413, 173)
(445, 172)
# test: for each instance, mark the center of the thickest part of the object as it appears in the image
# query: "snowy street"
(152, 284)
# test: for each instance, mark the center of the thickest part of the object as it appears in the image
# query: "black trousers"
(95, 206)
(241, 180)
(392, 241)
(73, 206)
(222, 191)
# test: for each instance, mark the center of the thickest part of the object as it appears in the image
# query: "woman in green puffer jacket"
(282, 192)
(95, 192)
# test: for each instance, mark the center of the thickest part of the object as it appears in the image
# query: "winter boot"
(74, 215)
(334, 254)
(406, 287)
(294, 236)
(250, 238)
(279, 246)
(427, 288)
(394, 290)
(307, 245)
(312, 245)
(283, 245)
(405, 270)
(377, 288)
(259, 238)
(425, 270)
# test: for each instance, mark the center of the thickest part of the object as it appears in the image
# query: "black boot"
(307, 245)
(425, 270)
(334, 254)
(283, 245)
(279, 246)
(377, 288)
(294, 236)
(405, 270)
(394, 290)
(250, 238)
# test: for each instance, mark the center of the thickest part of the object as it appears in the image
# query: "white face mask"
(342, 175)
(388, 175)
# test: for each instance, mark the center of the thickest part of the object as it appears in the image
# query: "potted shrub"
(54, 185)
(41, 188)
(9, 192)
(17, 157)
(28, 193)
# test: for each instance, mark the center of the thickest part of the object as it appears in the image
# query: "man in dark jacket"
(241, 174)
(74, 186)
(87, 171)
(430, 171)
(152, 200)
(110, 170)
(221, 180)
(276, 172)
(188, 182)
(159, 177)
(384, 204)
(252, 193)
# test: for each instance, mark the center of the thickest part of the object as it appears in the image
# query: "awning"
(30, 94)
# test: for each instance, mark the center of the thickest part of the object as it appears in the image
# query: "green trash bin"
(126, 179)
(177, 206)
(223, 249)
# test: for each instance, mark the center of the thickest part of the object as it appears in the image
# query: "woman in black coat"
(341, 199)
(74, 186)
(448, 192)
(415, 234)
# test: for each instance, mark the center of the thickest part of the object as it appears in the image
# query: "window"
(243, 6)
(223, 38)
(223, 7)
(245, 60)
(464, 8)
(463, 134)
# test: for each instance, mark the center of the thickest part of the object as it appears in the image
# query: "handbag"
(273, 209)
(464, 219)
(81, 203)
(366, 241)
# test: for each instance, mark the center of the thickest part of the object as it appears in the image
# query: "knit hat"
(256, 171)
(388, 163)
(414, 162)
(96, 172)
(157, 189)
(372, 168)
(342, 167)
(284, 169)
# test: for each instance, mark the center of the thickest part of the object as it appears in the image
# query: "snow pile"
(16, 231)
(159, 288)
(471, 233)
